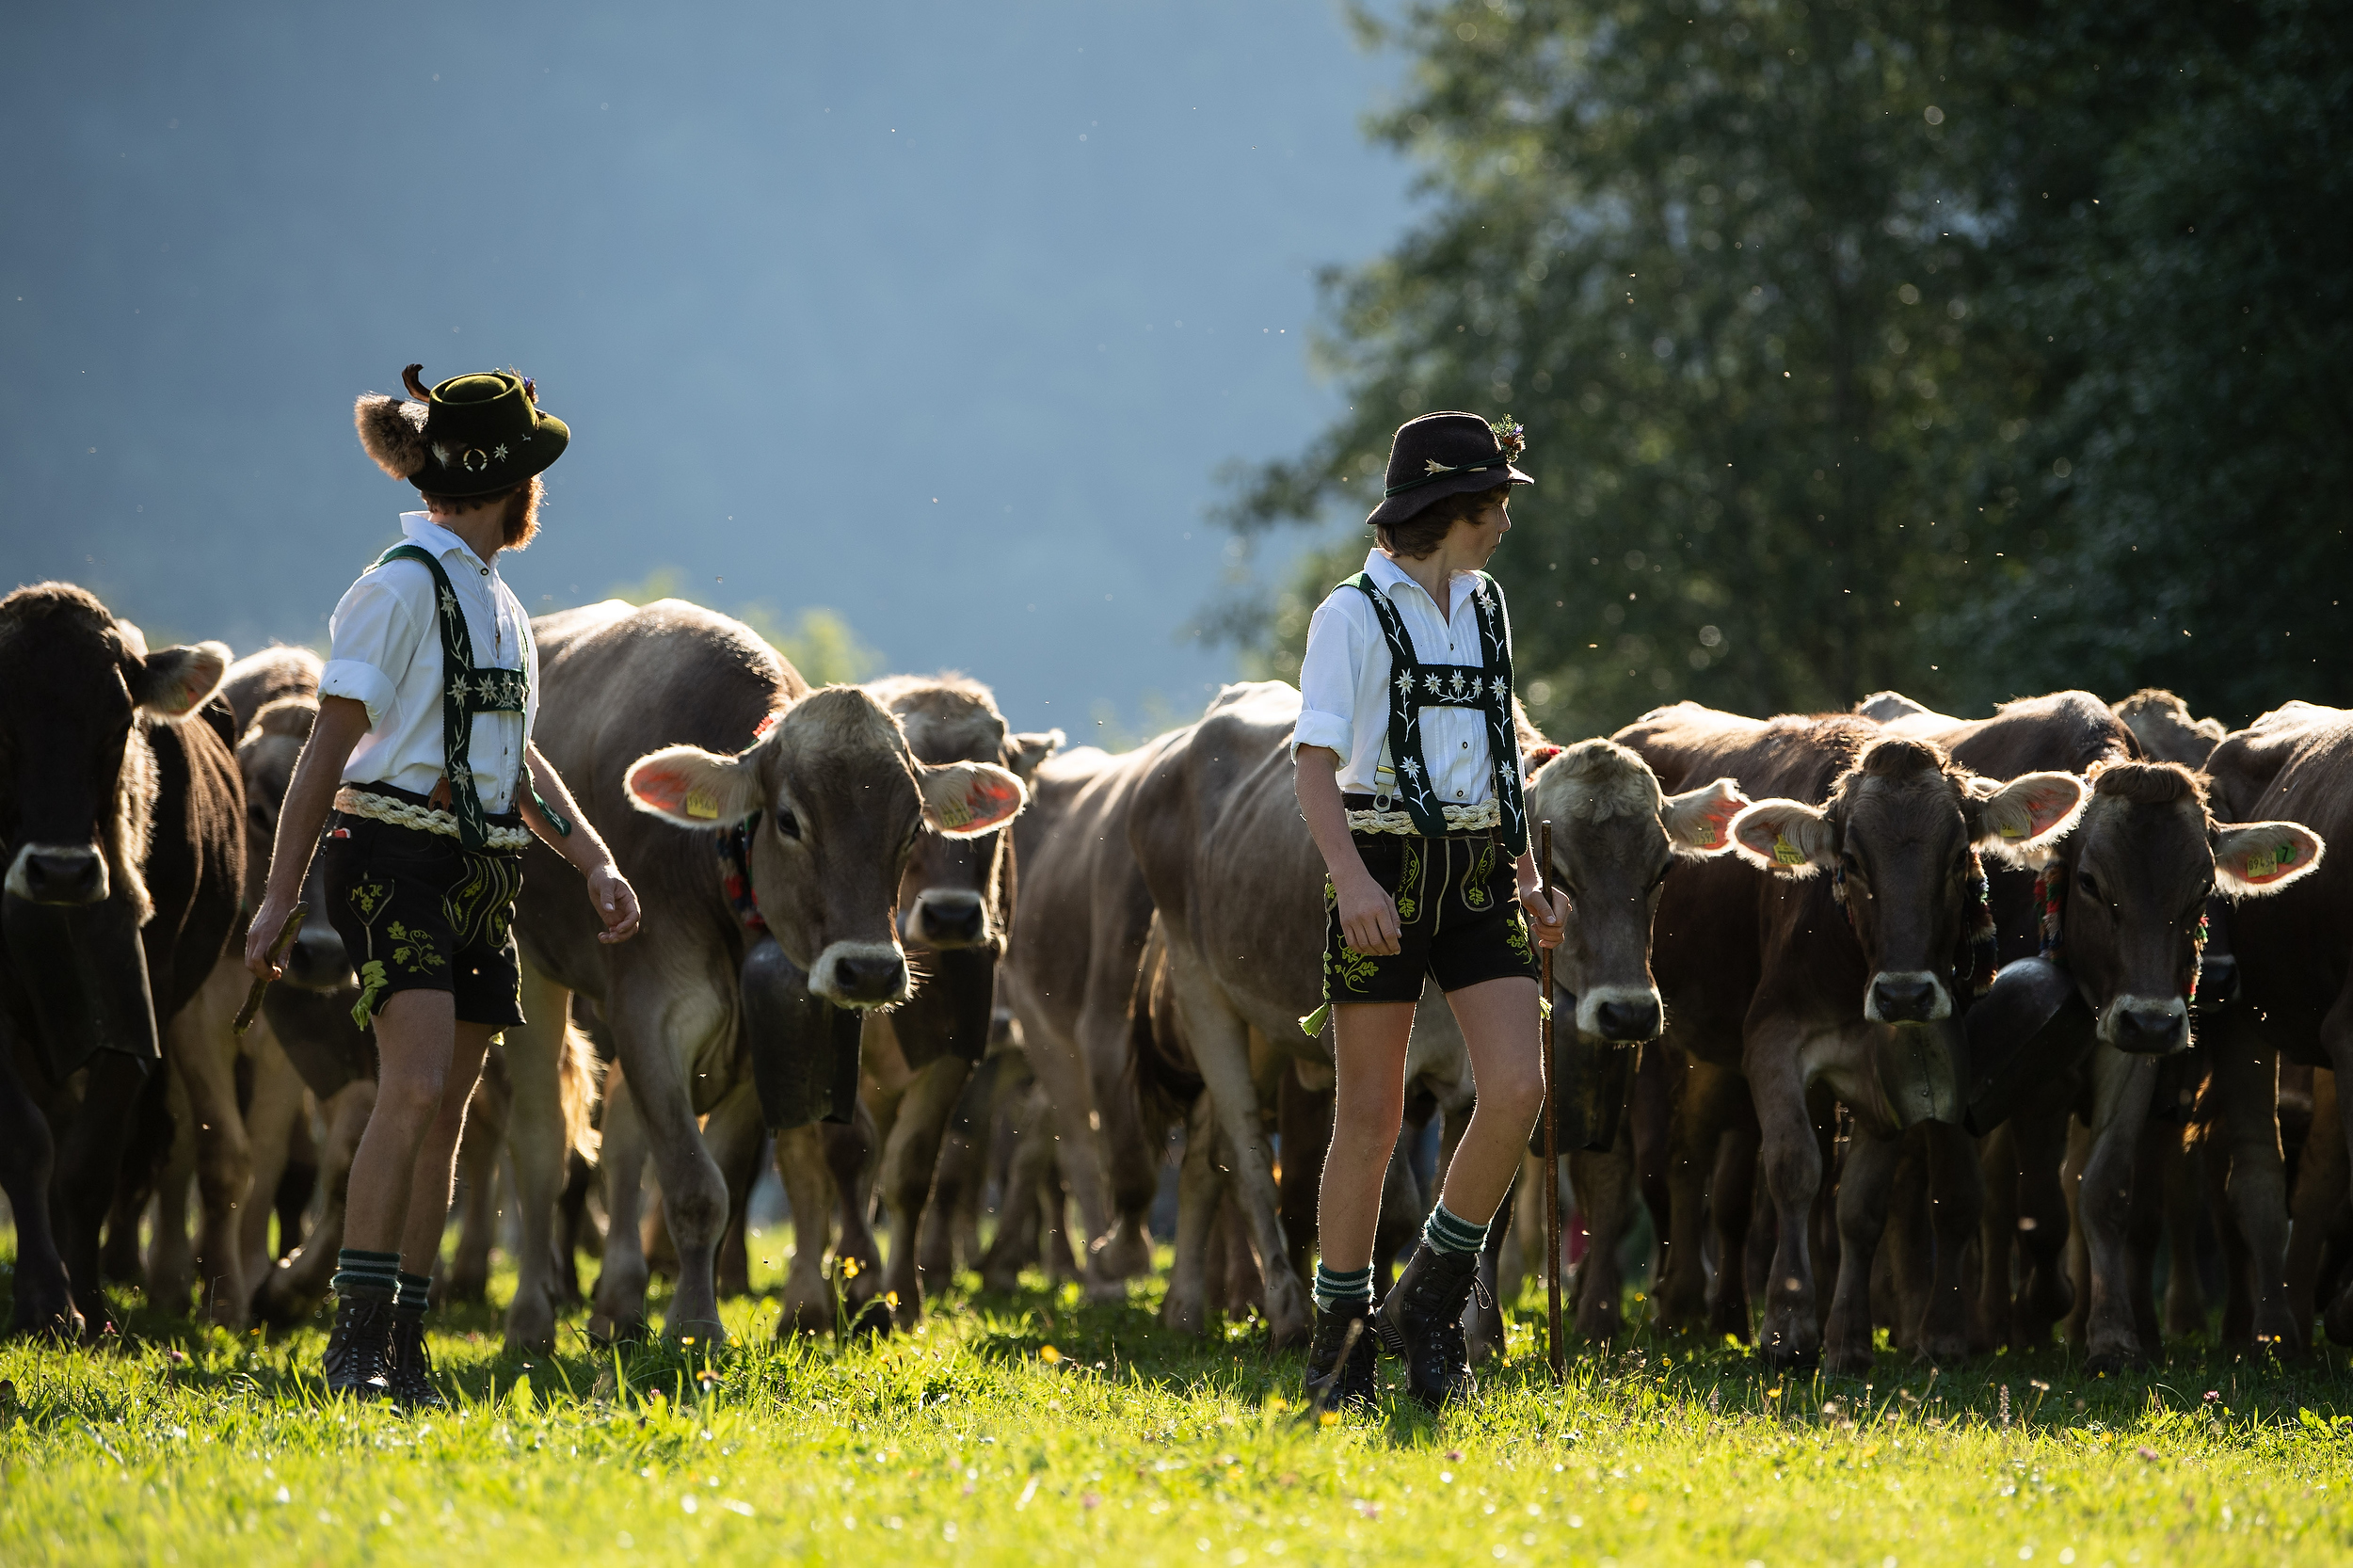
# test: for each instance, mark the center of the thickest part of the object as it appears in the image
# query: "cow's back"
(617, 682)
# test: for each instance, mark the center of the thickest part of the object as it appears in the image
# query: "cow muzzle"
(69, 874)
(1907, 997)
(1629, 1014)
(947, 917)
(2146, 1026)
(860, 974)
(317, 961)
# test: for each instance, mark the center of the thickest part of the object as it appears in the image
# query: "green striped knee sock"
(1337, 1287)
(366, 1275)
(411, 1293)
(1447, 1231)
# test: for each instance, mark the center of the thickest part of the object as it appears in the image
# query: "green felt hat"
(471, 435)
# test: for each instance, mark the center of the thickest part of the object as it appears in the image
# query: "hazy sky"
(941, 315)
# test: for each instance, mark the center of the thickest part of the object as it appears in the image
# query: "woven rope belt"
(355, 801)
(1459, 818)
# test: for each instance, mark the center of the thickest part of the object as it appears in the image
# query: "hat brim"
(549, 437)
(1410, 503)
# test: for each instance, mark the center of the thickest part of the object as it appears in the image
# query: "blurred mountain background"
(936, 320)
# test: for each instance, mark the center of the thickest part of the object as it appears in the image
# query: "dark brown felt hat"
(470, 435)
(1441, 455)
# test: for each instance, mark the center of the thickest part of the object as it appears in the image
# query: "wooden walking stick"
(1553, 1353)
(285, 937)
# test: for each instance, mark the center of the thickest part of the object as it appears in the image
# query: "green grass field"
(1034, 1428)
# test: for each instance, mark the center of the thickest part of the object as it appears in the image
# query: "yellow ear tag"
(1707, 835)
(1785, 853)
(2011, 830)
(2261, 864)
(701, 803)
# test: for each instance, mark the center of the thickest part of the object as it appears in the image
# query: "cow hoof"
(697, 1332)
(1942, 1351)
(2115, 1358)
(606, 1330)
(1783, 1355)
(468, 1287)
(1124, 1254)
(2337, 1322)
(1107, 1292)
(1000, 1283)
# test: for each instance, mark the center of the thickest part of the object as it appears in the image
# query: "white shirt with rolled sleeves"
(1344, 686)
(385, 652)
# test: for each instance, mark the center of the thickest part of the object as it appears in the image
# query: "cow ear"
(173, 682)
(1026, 750)
(963, 800)
(1785, 837)
(1699, 822)
(2028, 813)
(692, 787)
(2257, 857)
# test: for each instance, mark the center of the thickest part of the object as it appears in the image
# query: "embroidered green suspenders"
(1414, 685)
(466, 691)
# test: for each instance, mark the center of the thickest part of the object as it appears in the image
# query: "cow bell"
(1589, 1080)
(804, 1049)
(2030, 1029)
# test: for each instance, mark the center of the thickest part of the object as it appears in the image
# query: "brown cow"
(1847, 981)
(660, 710)
(1079, 929)
(954, 898)
(2295, 958)
(2161, 723)
(124, 862)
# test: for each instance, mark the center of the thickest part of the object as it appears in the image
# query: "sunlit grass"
(1034, 1428)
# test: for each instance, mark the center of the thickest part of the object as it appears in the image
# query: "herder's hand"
(616, 902)
(267, 921)
(1545, 922)
(1367, 914)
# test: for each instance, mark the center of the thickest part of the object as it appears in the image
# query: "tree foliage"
(1858, 345)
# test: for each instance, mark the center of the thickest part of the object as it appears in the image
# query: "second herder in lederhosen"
(421, 773)
(1409, 774)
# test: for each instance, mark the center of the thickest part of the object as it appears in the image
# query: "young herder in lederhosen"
(421, 771)
(1408, 769)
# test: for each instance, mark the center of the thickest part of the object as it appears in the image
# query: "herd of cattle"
(1998, 1008)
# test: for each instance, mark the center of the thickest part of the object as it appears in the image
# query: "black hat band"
(1439, 471)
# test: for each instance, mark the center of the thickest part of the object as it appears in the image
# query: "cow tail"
(576, 1074)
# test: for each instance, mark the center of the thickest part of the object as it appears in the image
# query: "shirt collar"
(1388, 576)
(421, 529)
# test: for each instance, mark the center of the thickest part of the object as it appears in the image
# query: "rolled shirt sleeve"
(1327, 681)
(374, 634)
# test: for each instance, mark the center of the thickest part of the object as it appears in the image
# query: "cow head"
(951, 895)
(77, 781)
(2139, 871)
(1615, 838)
(835, 802)
(1896, 833)
(266, 754)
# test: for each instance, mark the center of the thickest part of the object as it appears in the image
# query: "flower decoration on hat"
(1511, 435)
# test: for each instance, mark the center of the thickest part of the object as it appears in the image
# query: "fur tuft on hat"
(392, 431)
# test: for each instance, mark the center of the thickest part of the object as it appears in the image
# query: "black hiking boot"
(1343, 1362)
(411, 1370)
(1421, 1323)
(358, 1347)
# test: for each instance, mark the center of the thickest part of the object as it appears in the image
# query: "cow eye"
(2091, 889)
(788, 824)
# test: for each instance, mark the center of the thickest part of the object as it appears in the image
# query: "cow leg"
(1028, 1140)
(203, 1052)
(1220, 1047)
(2121, 1087)
(2184, 1210)
(1679, 1294)
(1200, 1188)
(1865, 1188)
(1304, 1118)
(1792, 1158)
(1997, 1236)
(2256, 1184)
(43, 1298)
(2041, 1224)
(616, 1309)
(662, 1025)
(910, 1158)
(850, 1151)
(1732, 1210)
(2143, 1229)
(2320, 1190)
(465, 1276)
(170, 1256)
(2336, 1038)
(1956, 1194)
(89, 1155)
(1606, 1195)
(810, 1193)
(1403, 1206)
(956, 1180)
(294, 1289)
(274, 1125)
(536, 1151)
(1062, 1069)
